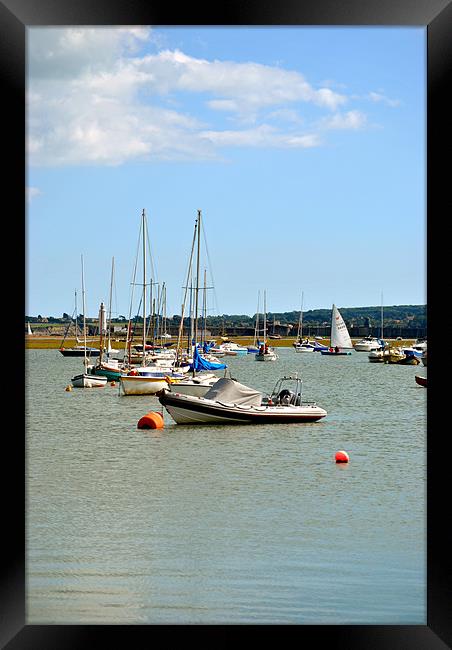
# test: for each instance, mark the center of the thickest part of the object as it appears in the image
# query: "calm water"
(219, 524)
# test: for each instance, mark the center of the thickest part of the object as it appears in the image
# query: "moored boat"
(87, 380)
(229, 402)
(368, 344)
(340, 343)
(422, 381)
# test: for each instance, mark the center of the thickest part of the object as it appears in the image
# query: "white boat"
(419, 348)
(341, 342)
(368, 343)
(265, 353)
(143, 381)
(301, 345)
(85, 379)
(229, 402)
(304, 346)
(197, 386)
(232, 349)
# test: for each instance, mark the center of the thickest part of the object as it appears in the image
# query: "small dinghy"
(422, 381)
(228, 401)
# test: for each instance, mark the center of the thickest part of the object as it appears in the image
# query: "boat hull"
(136, 385)
(335, 354)
(422, 381)
(191, 410)
(86, 380)
(77, 352)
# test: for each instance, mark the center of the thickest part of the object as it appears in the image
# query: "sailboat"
(202, 376)
(77, 350)
(265, 352)
(85, 379)
(106, 366)
(253, 349)
(341, 342)
(300, 345)
(146, 379)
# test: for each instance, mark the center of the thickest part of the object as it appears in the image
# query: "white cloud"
(94, 98)
(32, 192)
(350, 120)
(380, 97)
(262, 136)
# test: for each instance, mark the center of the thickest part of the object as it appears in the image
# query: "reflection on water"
(228, 524)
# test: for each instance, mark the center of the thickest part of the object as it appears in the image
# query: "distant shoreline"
(37, 342)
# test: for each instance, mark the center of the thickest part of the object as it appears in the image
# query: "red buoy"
(342, 457)
(151, 420)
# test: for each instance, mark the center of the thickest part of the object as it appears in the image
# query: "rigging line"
(210, 267)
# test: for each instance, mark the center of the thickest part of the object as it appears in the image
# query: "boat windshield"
(287, 391)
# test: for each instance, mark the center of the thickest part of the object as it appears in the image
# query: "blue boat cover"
(202, 364)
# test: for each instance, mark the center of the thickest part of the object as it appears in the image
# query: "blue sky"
(304, 148)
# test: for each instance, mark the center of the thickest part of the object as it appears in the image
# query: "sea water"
(230, 523)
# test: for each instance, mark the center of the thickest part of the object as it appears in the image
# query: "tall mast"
(204, 309)
(144, 285)
(381, 315)
(197, 277)
(265, 318)
(301, 316)
(181, 326)
(109, 306)
(84, 315)
(256, 328)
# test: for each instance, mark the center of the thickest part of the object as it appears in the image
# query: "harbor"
(227, 524)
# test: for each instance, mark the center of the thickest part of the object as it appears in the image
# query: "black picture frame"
(436, 16)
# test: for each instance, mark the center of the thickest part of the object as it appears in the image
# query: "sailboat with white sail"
(86, 379)
(341, 343)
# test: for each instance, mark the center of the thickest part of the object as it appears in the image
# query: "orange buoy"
(151, 420)
(342, 457)
(68, 388)
(113, 383)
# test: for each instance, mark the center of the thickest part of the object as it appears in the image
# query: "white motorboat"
(231, 349)
(304, 346)
(146, 381)
(368, 343)
(229, 402)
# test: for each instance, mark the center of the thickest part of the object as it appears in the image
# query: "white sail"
(339, 333)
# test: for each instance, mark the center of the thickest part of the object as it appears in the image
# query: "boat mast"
(197, 277)
(256, 328)
(204, 309)
(144, 285)
(300, 333)
(181, 325)
(85, 361)
(109, 306)
(381, 315)
(265, 318)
